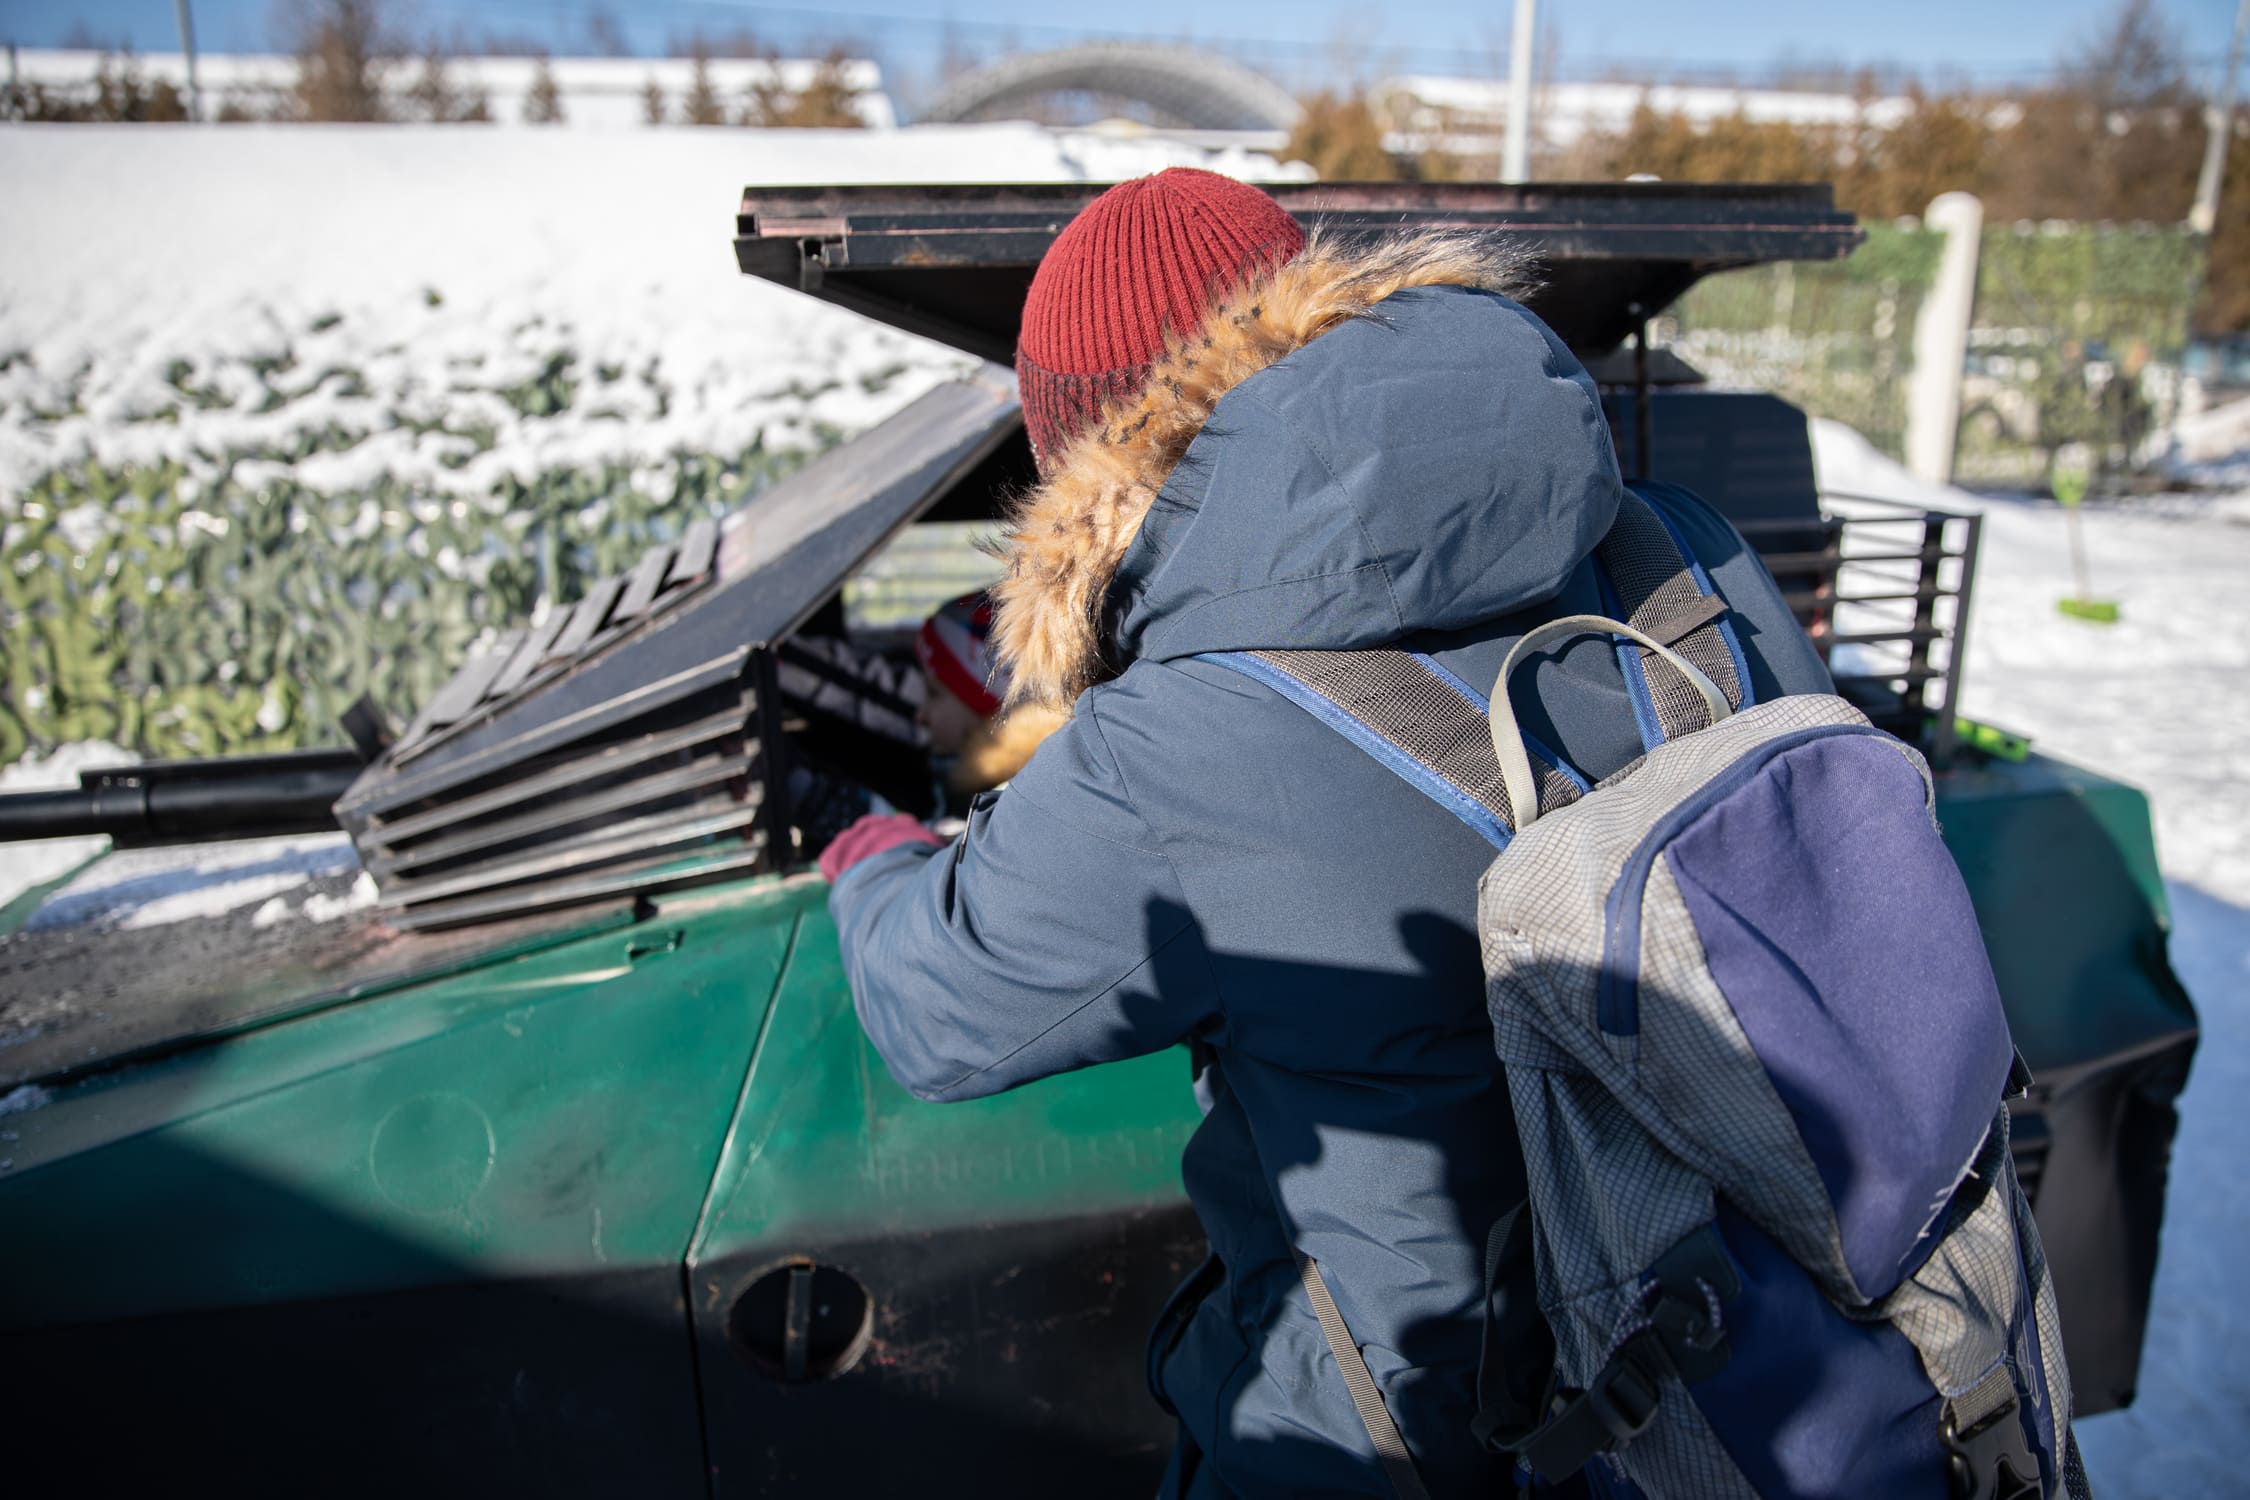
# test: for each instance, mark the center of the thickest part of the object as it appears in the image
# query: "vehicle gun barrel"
(189, 801)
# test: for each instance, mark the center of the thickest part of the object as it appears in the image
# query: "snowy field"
(2162, 700)
(419, 280)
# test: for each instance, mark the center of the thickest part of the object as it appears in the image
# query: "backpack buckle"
(1623, 1397)
(1616, 1407)
(1990, 1461)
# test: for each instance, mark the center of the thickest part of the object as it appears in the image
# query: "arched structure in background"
(1186, 88)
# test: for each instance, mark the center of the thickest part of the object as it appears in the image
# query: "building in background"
(1465, 117)
(602, 92)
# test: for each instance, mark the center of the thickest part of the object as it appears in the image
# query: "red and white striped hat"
(953, 646)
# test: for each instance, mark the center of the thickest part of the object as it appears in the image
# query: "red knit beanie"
(1147, 255)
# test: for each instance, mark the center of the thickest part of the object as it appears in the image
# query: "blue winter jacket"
(1193, 858)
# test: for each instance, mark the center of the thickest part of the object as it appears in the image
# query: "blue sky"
(1980, 40)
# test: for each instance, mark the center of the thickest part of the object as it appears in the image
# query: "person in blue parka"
(1248, 442)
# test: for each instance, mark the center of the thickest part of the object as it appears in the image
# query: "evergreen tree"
(702, 106)
(543, 104)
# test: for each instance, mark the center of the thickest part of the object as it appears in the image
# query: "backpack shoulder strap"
(1655, 585)
(1429, 727)
(1424, 724)
(1390, 1448)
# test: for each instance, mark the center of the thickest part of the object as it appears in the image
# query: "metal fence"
(2074, 349)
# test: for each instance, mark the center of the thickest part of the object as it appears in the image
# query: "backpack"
(1759, 1068)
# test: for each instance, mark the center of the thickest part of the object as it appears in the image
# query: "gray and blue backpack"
(1776, 1232)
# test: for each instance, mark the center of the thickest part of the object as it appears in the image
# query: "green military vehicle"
(563, 1165)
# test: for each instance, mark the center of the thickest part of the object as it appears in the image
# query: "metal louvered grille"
(673, 797)
(523, 660)
(647, 736)
(674, 794)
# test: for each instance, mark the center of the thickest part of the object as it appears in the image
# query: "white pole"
(1941, 339)
(2219, 135)
(1515, 164)
(187, 47)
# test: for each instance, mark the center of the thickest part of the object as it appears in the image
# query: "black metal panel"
(548, 815)
(1004, 1359)
(591, 615)
(953, 262)
(528, 781)
(637, 877)
(577, 1386)
(1748, 453)
(646, 581)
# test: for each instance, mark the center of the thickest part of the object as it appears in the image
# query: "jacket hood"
(1001, 747)
(1368, 441)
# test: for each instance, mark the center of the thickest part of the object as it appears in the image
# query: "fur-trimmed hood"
(1435, 459)
(1001, 747)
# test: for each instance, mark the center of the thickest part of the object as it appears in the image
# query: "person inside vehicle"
(1252, 442)
(975, 744)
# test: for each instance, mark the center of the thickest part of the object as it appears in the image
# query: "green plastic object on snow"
(2070, 480)
(561, 1165)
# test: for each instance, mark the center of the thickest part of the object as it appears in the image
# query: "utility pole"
(1515, 161)
(187, 47)
(2219, 135)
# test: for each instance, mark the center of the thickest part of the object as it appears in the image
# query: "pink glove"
(869, 837)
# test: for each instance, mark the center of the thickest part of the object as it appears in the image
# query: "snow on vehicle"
(561, 1164)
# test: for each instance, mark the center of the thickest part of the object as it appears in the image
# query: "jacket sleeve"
(1052, 934)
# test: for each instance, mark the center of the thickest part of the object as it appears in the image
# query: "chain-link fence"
(2074, 347)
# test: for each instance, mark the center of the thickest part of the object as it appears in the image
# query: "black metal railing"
(1883, 587)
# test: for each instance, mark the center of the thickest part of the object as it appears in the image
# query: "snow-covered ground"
(2160, 699)
(25, 866)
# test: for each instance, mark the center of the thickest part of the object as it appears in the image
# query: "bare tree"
(1341, 137)
(652, 101)
(2117, 136)
(344, 50)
